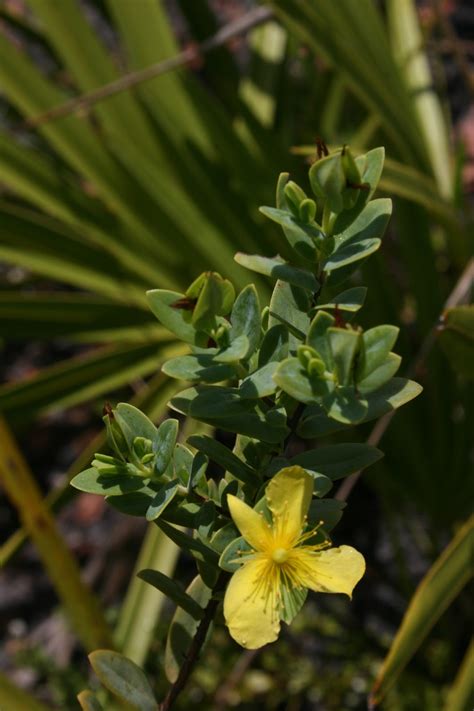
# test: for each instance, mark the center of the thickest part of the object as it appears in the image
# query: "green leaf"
(301, 235)
(344, 344)
(292, 599)
(208, 573)
(317, 336)
(329, 511)
(345, 405)
(439, 587)
(245, 318)
(88, 701)
(92, 482)
(226, 409)
(133, 503)
(236, 351)
(31, 240)
(353, 39)
(134, 423)
(124, 679)
(322, 484)
(349, 300)
(277, 268)
(183, 628)
(182, 463)
(36, 178)
(215, 297)
(231, 557)
(164, 443)
(223, 536)
(274, 346)
(74, 40)
(380, 375)
(200, 367)
(338, 460)
(198, 471)
(175, 319)
(376, 344)
(291, 305)
(220, 454)
(80, 316)
(197, 549)
(328, 180)
(407, 41)
(394, 394)
(206, 519)
(148, 38)
(77, 380)
(291, 377)
(174, 590)
(361, 238)
(456, 337)
(260, 383)
(162, 499)
(142, 607)
(371, 165)
(77, 142)
(301, 240)
(461, 694)
(407, 182)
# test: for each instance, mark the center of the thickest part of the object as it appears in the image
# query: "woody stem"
(195, 646)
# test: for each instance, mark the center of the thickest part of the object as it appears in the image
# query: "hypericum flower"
(282, 560)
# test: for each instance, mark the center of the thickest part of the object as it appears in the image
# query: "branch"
(457, 295)
(188, 56)
(195, 646)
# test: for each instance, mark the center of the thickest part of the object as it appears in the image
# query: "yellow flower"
(282, 561)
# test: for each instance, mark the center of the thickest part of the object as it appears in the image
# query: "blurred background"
(107, 192)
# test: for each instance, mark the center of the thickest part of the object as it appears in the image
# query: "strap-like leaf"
(439, 587)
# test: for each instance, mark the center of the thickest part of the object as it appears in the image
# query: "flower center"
(280, 555)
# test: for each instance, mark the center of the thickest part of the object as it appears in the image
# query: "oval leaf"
(277, 268)
(123, 678)
(92, 482)
(174, 590)
(161, 500)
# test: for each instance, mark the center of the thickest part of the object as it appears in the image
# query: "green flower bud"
(349, 166)
(142, 446)
(294, 197)
(316, 367)
(214, 296)
(305, 354)
(115, 436)
(328, 181)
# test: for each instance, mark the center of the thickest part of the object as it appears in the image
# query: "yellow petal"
(336, 570)
(250, 609)
(288, 497)
(250, 523)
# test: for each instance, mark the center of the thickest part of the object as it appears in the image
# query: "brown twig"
(457, 295)
(192, 54)
(195, 646)
(225, 690)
